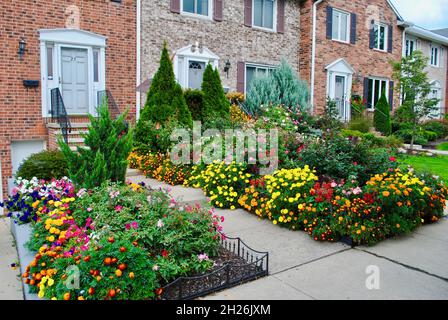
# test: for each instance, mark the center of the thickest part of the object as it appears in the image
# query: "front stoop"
(75, 138)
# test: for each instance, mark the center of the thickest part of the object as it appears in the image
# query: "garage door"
(21, 150)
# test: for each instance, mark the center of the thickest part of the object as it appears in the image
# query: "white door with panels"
(74, 80)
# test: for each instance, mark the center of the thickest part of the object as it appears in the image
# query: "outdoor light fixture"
(22, 47)
(227, 67)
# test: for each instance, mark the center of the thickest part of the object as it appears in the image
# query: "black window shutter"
(366, 91)
(390, 40)
(329, 22)
(372, 35)
(353, 28)
(391, 95)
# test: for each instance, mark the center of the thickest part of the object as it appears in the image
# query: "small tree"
(215, 101)
(281, 87)
(381, 119)
(165, 98)
(415, 89)
(108, 143)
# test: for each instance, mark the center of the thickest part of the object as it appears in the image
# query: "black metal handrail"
(59, 113)
(112, 104)
(252, 264)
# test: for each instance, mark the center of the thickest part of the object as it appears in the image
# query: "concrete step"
(133, 172)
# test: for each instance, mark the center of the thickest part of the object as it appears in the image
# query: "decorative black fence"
(243, 264)
(112, 104)
(59, 113)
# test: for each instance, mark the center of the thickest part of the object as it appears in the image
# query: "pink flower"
(222, 219)
(118, 208)
(89, 209)
(203, 257)
(393, 159)
(155, 267)
(160, 223)
(333, 184)
(357, 190)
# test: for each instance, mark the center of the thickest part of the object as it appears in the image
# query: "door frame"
(187, 73)
(71, 38)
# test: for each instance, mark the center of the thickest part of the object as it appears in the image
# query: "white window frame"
(198, 15)
(339, 38)
(372, 108)
(407, 46)
(71, 38)
(438, 56)
(274, 18)
(267, 67)
(386, 37)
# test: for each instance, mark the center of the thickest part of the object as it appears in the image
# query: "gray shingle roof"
(442, 32)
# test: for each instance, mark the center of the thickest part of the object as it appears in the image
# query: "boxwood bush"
(44, 165)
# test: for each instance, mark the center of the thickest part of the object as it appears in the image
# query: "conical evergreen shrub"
(215, 102)
(108, 143)
(381, 119)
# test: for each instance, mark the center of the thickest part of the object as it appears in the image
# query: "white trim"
(373, 95)
(198, 15)
(341, 68)
(184, 55)
(274, 18)
(138, 57)
(426, 34)
(340, 64)
(386, 37)
(348, 30)
(71, 38)
(313, 55)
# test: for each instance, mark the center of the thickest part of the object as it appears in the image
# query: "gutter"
(313, 53)
(138, 57)
(423, 33)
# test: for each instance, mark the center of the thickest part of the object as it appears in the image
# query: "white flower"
(160, 223)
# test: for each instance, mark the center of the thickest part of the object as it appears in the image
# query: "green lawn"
(443, 146)
(435, 165)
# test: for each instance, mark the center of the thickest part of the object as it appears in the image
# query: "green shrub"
(406, 135)
(360, 124)
(216, 104)
(281, 87)
(44, 165)
(165, 98)
(108, 143)
(430, 135)
(437, 126)
(195, 103)
(443, 146)
(381, 117)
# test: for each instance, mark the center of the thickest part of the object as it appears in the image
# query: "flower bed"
(114, 243)
(389, 204)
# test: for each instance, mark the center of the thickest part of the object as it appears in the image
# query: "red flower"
(164, 253)
(393, 159)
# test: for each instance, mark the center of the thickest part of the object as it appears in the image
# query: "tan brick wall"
(365, 61)
(229, 39)
(20, 108)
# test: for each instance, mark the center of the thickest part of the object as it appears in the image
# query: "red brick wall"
(365, 61)
(20, 108)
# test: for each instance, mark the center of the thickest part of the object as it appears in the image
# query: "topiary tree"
(281, 87)
(216, 104)
(165, 98)
(108, 143)
(381, 118)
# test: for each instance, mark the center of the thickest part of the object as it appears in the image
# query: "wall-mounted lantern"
(227, 67)
(22, 48)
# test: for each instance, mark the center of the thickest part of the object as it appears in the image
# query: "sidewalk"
(410, 267)
(10, 282)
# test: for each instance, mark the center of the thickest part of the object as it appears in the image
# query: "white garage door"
(21, 150)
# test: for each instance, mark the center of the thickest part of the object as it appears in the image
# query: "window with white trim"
(341, 26)
(435, 56)
(199, 7)
(376, 87)
(50, 62)
(264, 13)
(380, 37)
(256, 71)
(411, 46)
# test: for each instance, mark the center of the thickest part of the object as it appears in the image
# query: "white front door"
(340, 98)
(75, 80)
(195, 74)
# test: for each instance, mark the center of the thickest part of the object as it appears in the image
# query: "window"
(410, 47)
(435, 56)
(376, 87)
(200, 7)
(341, 26)
(380, 37)
(49, 63)
(96, 70)
(263, 13)
(253, 71)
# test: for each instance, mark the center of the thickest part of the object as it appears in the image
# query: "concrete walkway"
(10, 282)
(410, 267)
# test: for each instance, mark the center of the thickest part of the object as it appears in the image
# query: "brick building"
(242, 38)
(354, 43)
(79, 47)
